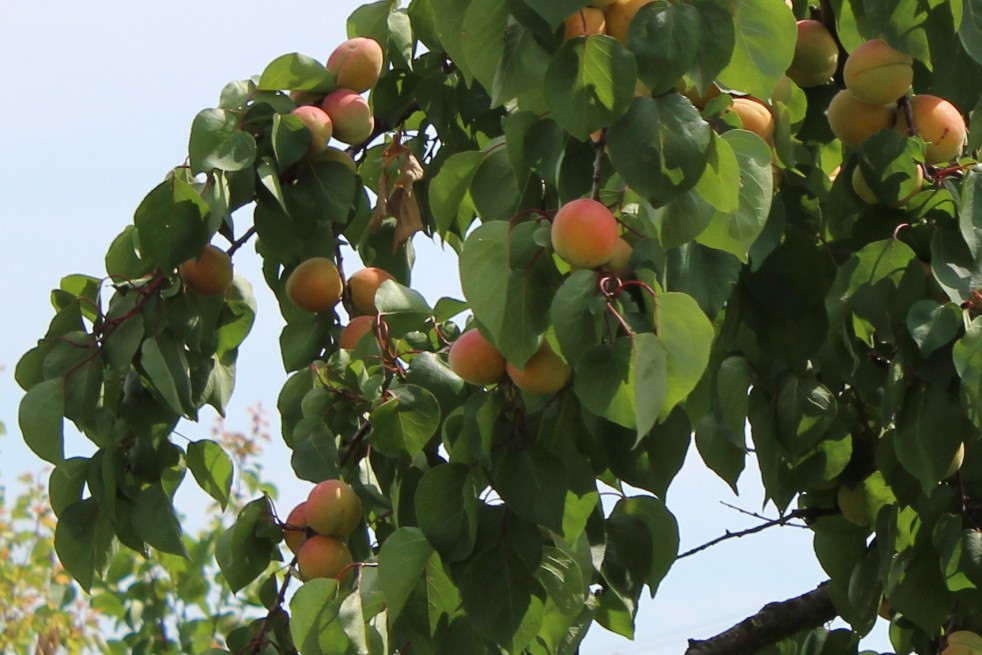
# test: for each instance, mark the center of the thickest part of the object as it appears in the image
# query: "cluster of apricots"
(316, 529)
(585, 235)
(315, 285)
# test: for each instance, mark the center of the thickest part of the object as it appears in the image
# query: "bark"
(773, 623)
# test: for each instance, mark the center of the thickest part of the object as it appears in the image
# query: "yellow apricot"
(475, 360)
(584, 233)
(545, 372)
(939, 123)
(619, 15)
(210, 274)
(322, 557)
(353, 332)
(350, 115)
(852, 504)
(363, 285)
(620, 260)
(357, 64)
(878, 73)
(816, 55)
(853, 121)
(755, 116)
(586, 21)
(333, 508)
(295, 530)
(315, 285)
(865, 192)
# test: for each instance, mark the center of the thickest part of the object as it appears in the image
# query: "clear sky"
(98, 101)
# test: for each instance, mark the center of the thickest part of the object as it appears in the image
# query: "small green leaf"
(83, 541)
(296, 72)
(41, 419)
(405, 422)
(932, 325)
(401, 562)
(218, 142)
(687, 338)
(665, 39)
(172, 223)
(446, 509)
(533, 483)
(156, 522)
(763, 48)
(212, 468)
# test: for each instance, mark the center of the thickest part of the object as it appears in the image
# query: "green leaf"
(533, 484)
(245, 550)
(930, 428)
(156, 521)
(315, 623)
(522, 68)
(717, 37)
(687, 338)
(967, 355)
(589, 84)
(932, 325)
(763, 48)
(163, 359)
(660, 147)
(556, 11)
(290, 138)
(41, 419)
(577, 327)
(872, 271)
(735, 232)
(970, 31)
(449, 195)
(212, 468)
(401, 562)
(484, 25)
(172, 223)
(446, 509)
(494, 186)
(83, 541)
(919, 591)
(665, 40)
(664, 532)
(805, 409)
(218, 142)
(405, 422)
(296, 72)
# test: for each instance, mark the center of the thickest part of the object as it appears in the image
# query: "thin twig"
(806, 514)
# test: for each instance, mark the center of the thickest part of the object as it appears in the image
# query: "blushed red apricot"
(586, 21)
(619, 15)
(296, 527)
(333, 508)
(351, 116)
(939, 123)
(363, 284)
(357, 64)
(353, 332)
(322, 557)
(816, 55)
(475, 360)
(545, 372)
(584, 233)
(315, 285)
(878, 73)
(319, 125)
(210, 274)
(853, 121)
(755, 116)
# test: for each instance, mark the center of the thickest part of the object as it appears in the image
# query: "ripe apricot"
(315, 285)
(333, 508)
(620, 260)
(475, 360)
(584, 233)
(333, 154)
(755, 116)
(853, 121)
(586, 21)
(865, 192)
(939, 123)
(816, 55)
(356, 64)
(296, 527)
(351, 116)
(322, 557)
(319, 125)
(545, 372)
(619, 15)
(210, 274)
(878, 73)
(352, 333)
(363, 285)
(852, 504)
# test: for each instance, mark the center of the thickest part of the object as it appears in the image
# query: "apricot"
(619, 15)
(357, 64)
(351, 116)
(322, 557)
(700, 100)
(939, 123)
(357, 328)
(319, 125)
(315, 285)
(333, 508)
(878, 73)
(333, 154)
(755, 116)
(816, 55)
(545, 372)
(475, 360)
(620, 260)
(586, 21)
(210, 274)
(865, 192)
(362, 286)
(956, 462)
(852, 504)
(296, 527)
(584, 233)
(602, 3)
(853, 121)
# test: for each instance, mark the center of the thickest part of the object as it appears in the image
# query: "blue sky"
(98, 101)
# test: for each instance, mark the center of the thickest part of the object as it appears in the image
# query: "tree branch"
(773, 623)
(807, 514)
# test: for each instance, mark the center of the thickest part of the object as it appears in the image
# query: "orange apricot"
(545, 372)
(333, 508)
(755, 116)
(210, 274)
(853, 121)
(816, 55)
(586, 21)
(620, 260)
(322, 557)
(475, 360)
(363, 285)
(319, 125)
(619, 15)
(353, 332)
(584, 233)
(939, 123)
(878, 73)
(357, 64)
(315, 285)
(296, 527)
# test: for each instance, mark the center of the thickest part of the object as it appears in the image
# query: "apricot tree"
(807, 262)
